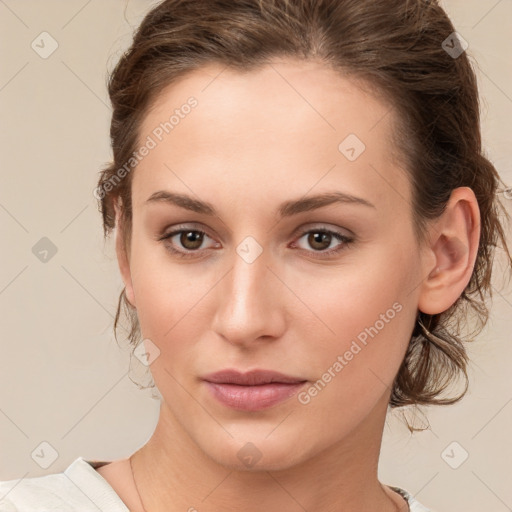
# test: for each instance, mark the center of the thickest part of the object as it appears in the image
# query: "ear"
(451, 252)
(122, 256)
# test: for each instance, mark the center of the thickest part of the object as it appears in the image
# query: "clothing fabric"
(80, 488)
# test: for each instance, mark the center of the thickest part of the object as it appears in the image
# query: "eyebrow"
(286, 209)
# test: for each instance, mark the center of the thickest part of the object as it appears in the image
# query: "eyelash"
(347, 241)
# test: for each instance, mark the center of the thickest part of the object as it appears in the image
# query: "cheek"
(172, 301)
(371, 311)
(354, 296)
(156, 286)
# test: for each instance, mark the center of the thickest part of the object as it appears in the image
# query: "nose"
(251, 300)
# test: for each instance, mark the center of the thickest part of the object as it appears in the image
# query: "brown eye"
(191, 240)
(319, 240)
(185, 243)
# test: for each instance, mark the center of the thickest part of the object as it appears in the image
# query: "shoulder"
(37, 494)
(78, 488)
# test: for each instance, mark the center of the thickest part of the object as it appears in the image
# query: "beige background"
(63, 379)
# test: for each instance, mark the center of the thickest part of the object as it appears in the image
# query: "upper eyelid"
(179, 229)
(319, 226)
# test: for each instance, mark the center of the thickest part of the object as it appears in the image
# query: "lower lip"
(253, 398)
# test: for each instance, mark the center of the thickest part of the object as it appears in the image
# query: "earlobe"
(454, 245)
(122, 256)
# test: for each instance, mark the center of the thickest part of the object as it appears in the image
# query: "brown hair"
(399, 49)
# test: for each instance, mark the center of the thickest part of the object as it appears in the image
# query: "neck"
(173, 474)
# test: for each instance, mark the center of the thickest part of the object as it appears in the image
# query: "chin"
(256, 452)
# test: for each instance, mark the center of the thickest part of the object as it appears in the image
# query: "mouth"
(254, 390)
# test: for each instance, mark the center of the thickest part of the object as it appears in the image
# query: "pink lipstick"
(254, 390)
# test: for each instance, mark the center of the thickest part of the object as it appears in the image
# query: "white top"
(80, 488)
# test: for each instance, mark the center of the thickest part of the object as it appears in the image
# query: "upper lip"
(251, 378)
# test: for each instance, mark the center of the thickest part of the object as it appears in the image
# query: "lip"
(254, 390)
(251, 378)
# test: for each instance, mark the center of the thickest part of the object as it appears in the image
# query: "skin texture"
(253, 141)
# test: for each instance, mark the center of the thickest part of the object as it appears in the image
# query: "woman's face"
(323, 291)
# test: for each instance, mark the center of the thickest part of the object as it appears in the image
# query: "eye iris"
(194, 237)
(321, 238)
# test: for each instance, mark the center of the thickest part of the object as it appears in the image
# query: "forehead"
(288, 124)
